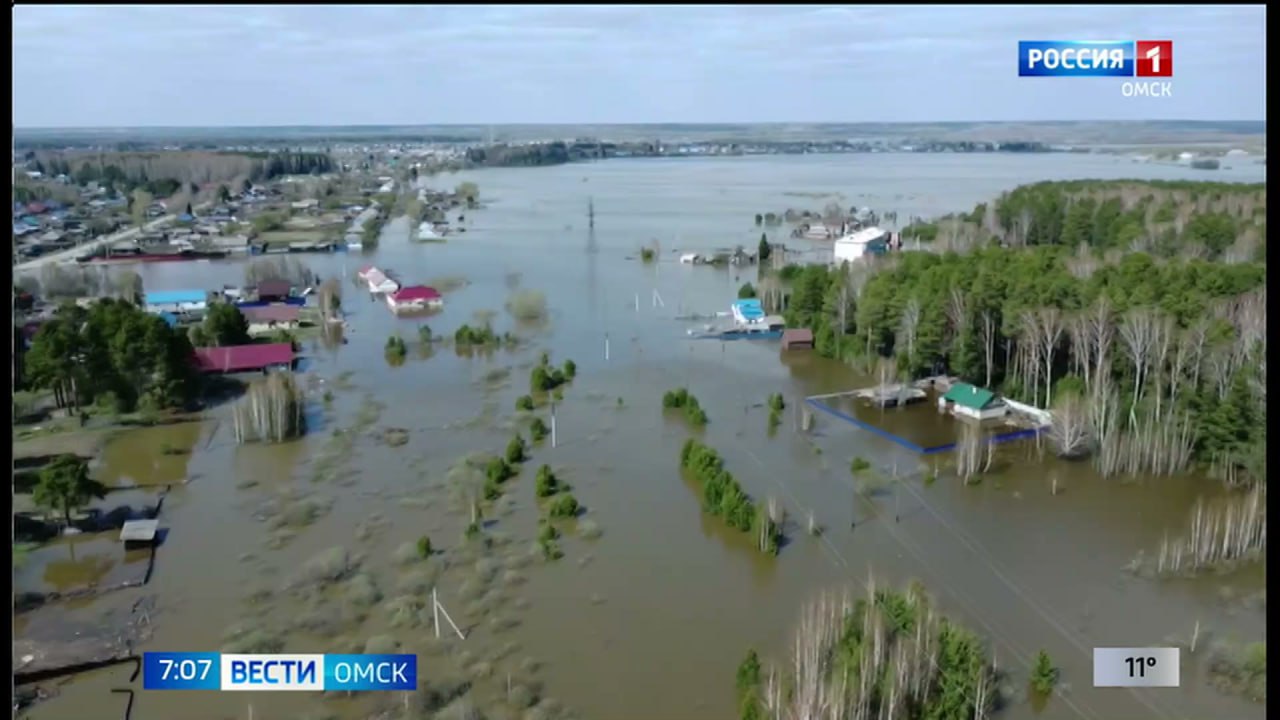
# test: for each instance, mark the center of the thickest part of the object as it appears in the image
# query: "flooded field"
(311, 546)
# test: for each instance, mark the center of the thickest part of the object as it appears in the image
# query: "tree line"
(1221, 221)
(1149, 362)
(156, 172)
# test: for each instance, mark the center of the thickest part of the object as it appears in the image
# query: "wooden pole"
(553, 424)
(606, 346)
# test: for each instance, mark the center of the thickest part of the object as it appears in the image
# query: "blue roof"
(169, 318)
(750, 308)
(186, 217)
(164, 297)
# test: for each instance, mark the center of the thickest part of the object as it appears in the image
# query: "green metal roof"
(966, 395)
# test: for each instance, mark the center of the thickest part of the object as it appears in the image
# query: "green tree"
(65, 486)
(516, 450)
(765, 249)
(746, 291)
(564, 506)
(113, 347)
(546, 484)
(1043, 675)
(224, 194)
(225, 325)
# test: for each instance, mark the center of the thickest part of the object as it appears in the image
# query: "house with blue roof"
(748, 311)
(176, 301)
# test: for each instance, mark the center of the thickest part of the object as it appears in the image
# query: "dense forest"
(1136, 311)
(114, 355)
(553, 153)
(888, 654)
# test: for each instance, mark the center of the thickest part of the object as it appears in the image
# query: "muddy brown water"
(650, 619)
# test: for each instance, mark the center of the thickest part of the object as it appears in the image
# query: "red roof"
(271, 313)
(415, 292)
(238, 358)
(274, 287)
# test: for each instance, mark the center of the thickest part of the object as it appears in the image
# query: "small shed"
(965, 400)
(139, 532)
(797, 339)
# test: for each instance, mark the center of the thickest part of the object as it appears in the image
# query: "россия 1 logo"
(1101, 58)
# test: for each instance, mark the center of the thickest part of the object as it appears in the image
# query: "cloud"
(265, 65)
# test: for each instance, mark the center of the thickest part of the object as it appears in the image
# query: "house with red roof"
(414, 297)
(245, 358)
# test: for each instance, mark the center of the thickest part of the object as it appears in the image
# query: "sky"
(122, 66)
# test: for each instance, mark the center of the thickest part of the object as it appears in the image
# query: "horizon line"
(630, 124)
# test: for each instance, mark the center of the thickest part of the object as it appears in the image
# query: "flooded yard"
(312, 545)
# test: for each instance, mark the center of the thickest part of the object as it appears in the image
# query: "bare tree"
(1138, 330)
(957, 310)
(910, 322)
(330, 297)
(1028, 349)
(971, 460)
(987, 331)
(1069, 432)
(1099, 328)
(141, 201)
(1050, 326)
(1104, 426)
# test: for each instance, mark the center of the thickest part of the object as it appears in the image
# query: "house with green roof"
(970, 401)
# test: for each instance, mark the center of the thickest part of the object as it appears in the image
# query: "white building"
(748, 312)
(965, 400)
(854, 246)
(377, 280)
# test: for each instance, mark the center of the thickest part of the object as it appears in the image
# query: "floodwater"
(650, 619)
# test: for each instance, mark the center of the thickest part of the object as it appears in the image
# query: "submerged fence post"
(553, 424)
(606, 346)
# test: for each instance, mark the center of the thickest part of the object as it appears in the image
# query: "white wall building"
(853, 247)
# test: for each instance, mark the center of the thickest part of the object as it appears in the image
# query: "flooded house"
(377, 280)
(177, 302)
(274, 290)
(972, 402)
(245, 358)
(860, 243)
(797, 339)
(414, 297)
(271, 317)
(748, 312)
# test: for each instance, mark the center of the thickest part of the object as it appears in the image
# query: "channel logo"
(1095, 58)
(276, 673)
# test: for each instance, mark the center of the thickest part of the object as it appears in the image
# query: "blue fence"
(903, 442)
